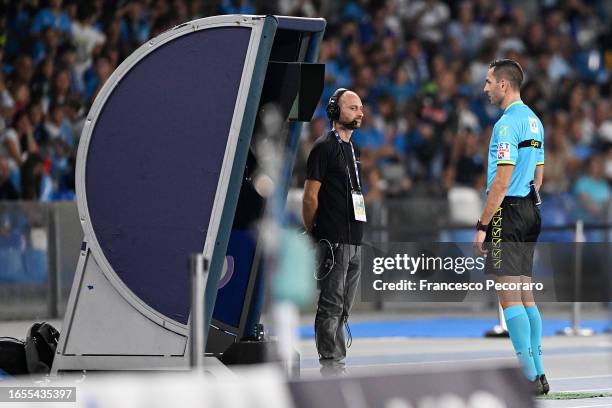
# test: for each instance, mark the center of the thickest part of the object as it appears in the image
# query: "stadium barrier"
(40, 245)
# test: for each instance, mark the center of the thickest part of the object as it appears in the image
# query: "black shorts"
(511, 237)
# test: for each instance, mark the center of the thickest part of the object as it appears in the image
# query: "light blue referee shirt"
(518, 139)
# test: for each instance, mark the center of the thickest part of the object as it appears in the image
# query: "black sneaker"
(544, 382)
(537, 387)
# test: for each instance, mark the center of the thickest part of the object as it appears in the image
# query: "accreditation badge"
(359, 206)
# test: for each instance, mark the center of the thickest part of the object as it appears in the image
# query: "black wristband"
(482, 227)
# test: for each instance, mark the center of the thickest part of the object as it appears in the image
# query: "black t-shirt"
(335, 220)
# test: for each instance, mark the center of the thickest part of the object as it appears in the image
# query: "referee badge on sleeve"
(503, 151)
(533, 125)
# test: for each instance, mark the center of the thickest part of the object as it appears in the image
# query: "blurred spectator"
(52, 17)
(41, 84)
(466, 119)
(237, 7)
(17, 142)
(303, 8)
(103, 70)
(67, 60)
(389, 125)
(608, 164)
(135, 25)
(113, 36)
(32, 172)
(75, 118)
(47, 45)
(57, 127)
(467, 161)
(403, 88)
(7, 189)
(593, 191)
(21, 95)
(87, 38)
(416, 62)
(535, 39)
(7, 103)
(37, 116)
(603, 122)
(507, 35)
(23, 70)
(373, 187)
(60, 88)
(558, 67)
(425, 157)
(428, 17)
(467, 32)
(558, 162)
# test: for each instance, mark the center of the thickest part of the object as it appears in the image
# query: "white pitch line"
(577, 378)
(588, 390)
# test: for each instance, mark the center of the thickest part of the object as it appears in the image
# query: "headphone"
(333, 108)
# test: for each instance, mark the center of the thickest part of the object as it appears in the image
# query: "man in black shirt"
(334, 213)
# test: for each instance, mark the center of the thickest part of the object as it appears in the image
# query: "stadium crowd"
(419, 66)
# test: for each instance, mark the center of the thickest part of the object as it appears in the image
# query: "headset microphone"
(350, 125)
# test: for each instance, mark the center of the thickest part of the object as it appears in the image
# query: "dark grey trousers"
(336, 297)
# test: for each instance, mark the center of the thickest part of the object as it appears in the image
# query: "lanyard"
(354, 162)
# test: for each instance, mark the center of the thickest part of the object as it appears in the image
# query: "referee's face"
(493, 88)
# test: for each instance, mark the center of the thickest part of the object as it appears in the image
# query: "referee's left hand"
(478, 241)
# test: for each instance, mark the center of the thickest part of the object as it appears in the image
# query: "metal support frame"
(576, 314)
(198, 268)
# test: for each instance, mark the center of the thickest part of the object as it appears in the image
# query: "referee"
(334, 213)
(510, 222)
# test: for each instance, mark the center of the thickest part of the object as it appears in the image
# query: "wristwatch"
(482, 227)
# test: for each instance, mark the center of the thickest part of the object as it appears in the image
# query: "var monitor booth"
(163, 171)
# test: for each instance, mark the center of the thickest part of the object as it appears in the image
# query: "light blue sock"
(535, 321)
(520, 334)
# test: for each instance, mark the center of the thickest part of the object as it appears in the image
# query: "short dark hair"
(509, 70)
